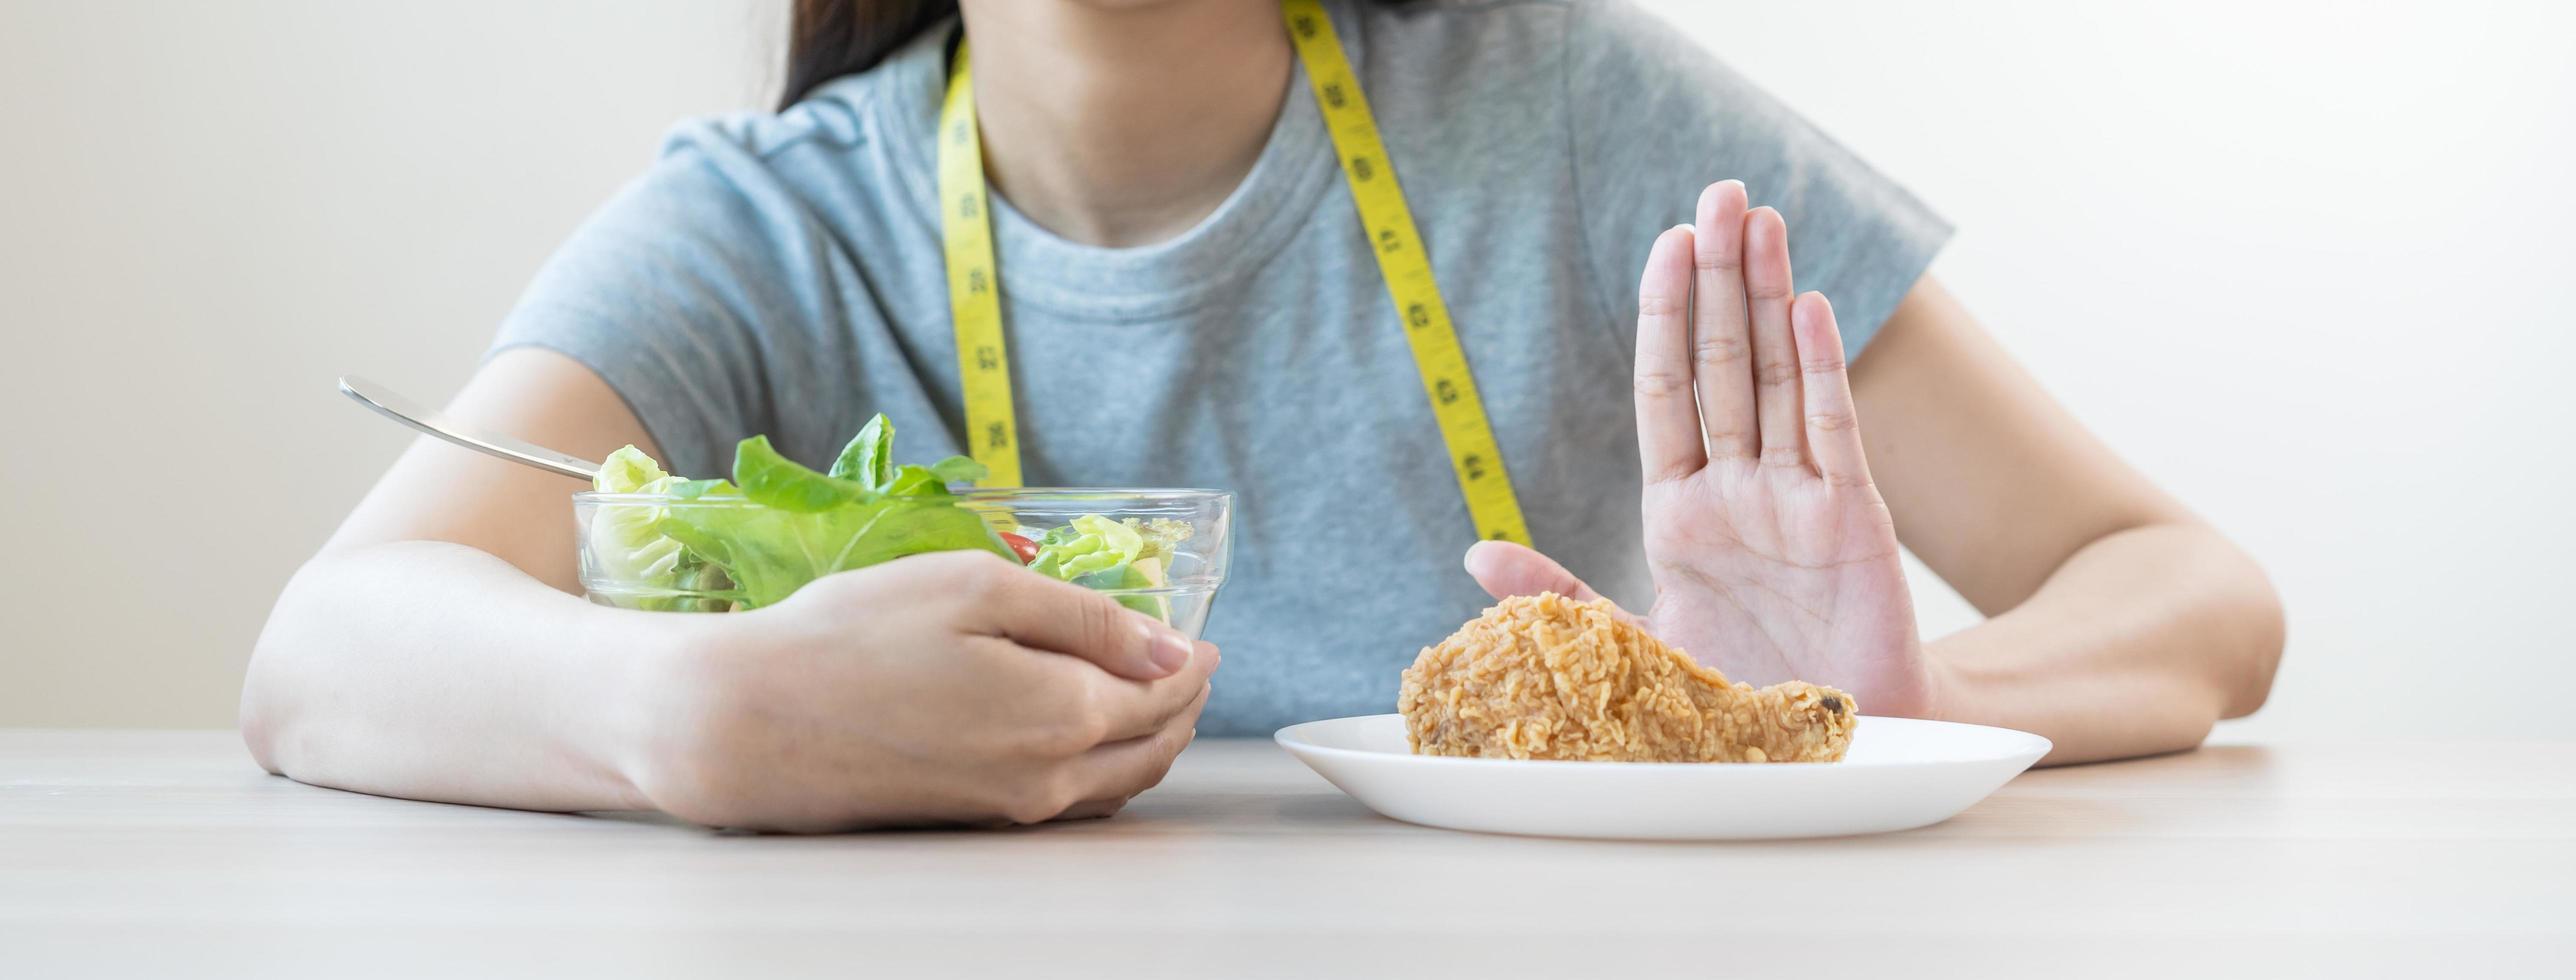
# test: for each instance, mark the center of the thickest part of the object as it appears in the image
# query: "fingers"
(1506, 569)
(1122, 769)
(1775, 354)
(1833, 426)
(1036, 611)
(1107, 806)
(1740, 378)
(1722, 343)
(1100, 780)
(1128, 709)
(1668, 436)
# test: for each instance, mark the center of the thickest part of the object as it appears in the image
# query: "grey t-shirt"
(781, 274)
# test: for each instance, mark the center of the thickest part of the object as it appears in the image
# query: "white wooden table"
(169, 853)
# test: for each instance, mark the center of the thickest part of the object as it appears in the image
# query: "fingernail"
(1170, 650)
(1708, 198)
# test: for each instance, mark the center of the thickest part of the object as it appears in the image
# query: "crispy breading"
(1546, 677)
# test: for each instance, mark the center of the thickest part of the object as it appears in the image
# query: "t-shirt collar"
(1042, 269)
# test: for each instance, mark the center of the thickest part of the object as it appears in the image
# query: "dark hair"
(827, 39)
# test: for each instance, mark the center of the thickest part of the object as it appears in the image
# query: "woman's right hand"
(949, 688)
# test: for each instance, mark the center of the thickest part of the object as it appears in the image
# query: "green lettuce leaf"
(626, 541)
(789, 525)
(1098, 553)
(809, 524)
(916, 481)
(773, 480)
(959, 469)
(869, 458)
(696, 489)
(1090, 544)
(770, 553)
(627, 470)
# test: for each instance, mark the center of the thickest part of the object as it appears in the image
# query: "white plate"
(1901, 773)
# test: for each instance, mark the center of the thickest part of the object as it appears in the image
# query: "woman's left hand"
(1773, 556)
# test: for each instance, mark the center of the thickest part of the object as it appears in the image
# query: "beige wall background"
(2307, 264)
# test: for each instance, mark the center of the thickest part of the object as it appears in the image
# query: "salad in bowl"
(656, 541)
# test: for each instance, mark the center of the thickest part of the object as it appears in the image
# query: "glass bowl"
(629, 561)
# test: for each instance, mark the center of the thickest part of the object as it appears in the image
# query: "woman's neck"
(1120, 127)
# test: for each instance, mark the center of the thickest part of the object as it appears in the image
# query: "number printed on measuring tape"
(974, 301)
(1448, 385)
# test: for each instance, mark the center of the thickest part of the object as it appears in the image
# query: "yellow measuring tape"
(975, 286)
(1447, 381)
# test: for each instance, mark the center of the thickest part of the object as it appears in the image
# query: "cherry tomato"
(1025, 548)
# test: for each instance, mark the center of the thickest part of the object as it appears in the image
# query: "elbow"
(2252, 631)
(264, 713)
(259, 733)
(268, 714)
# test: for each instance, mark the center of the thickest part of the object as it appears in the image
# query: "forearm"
(2137, 644)
(435, 671)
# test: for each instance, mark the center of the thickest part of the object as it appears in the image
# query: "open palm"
(1773, 555)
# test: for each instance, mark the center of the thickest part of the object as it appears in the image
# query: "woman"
(1193, 299)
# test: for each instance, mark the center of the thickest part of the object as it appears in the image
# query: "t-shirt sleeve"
(673, 293)
(1654, 119)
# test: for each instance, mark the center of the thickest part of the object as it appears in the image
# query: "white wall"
(2307, 264)
(210, 210)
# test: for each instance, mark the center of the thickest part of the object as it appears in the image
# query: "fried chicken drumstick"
(1546, 677)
